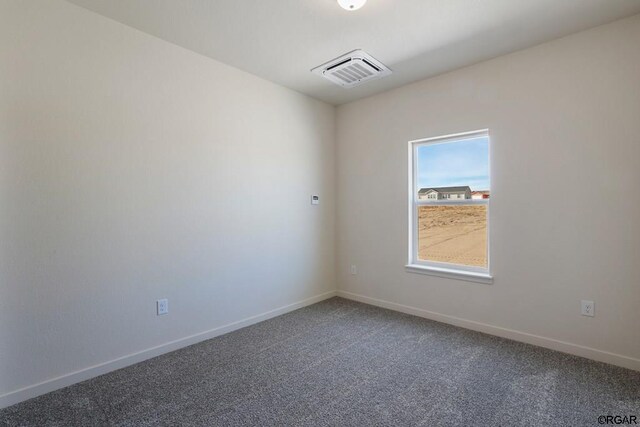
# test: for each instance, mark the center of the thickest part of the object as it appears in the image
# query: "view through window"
(451, 192)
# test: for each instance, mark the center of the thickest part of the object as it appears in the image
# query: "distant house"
(479, 194)
(444, 193)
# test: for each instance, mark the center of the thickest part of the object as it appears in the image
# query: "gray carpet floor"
(342, 363)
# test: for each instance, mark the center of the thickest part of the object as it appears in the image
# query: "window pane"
(453, 170)
(453, 234)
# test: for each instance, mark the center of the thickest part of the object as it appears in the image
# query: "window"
(449, 235)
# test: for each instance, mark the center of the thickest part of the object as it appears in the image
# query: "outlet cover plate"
(588, 308)
(163, 306)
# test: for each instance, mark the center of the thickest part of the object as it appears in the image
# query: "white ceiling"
(282, 40)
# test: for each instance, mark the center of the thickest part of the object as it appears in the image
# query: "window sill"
(447, 273)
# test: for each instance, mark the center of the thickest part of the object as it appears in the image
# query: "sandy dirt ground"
(454, 234)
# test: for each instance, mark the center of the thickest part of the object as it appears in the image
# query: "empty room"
(319, 212)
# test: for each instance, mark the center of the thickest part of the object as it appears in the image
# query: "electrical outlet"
(163, 306)
(354, 270)
(315, 199)
(588, 308)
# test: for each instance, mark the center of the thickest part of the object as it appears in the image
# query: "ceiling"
(282, 40)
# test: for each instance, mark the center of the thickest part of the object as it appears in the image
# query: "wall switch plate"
(315, 199)
(354, 270)
(588, 308)
(163, 306)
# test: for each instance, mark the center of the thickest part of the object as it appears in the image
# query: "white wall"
(564, 119)
(132, 170)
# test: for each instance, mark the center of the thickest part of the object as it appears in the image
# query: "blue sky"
(458, 163)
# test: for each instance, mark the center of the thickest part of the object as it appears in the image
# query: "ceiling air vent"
(352, 69)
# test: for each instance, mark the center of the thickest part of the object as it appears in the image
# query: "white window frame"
(443, 269)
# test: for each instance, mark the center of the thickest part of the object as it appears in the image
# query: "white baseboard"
(553, 344)
(47, 386)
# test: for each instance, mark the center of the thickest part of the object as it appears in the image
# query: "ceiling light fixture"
(351, 4)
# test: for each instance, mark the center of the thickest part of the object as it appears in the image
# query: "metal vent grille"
(352, 69)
